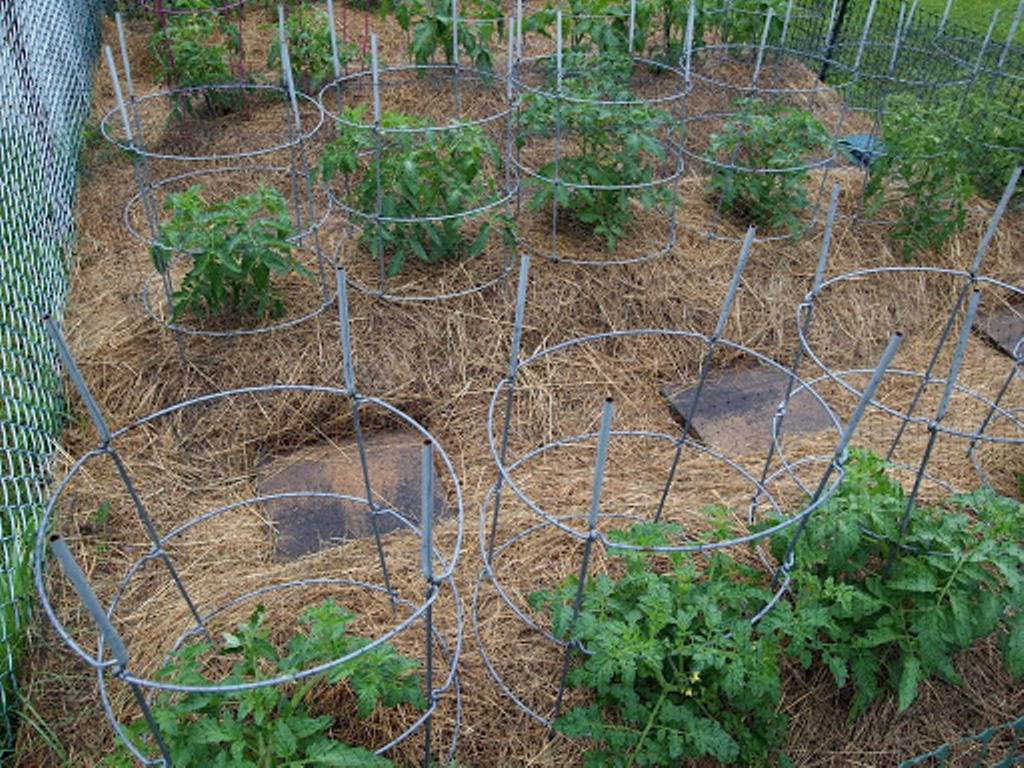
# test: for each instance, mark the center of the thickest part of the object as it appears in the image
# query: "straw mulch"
(440, 362)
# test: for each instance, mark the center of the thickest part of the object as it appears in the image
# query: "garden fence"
(933, 49)
(46, 62)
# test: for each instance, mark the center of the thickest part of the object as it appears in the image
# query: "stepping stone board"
(309, 524)
(1003, 327)
(734, 414)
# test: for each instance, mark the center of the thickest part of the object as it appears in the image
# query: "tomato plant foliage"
(612, 152)
(275, 726)
(309, 48)
(992, 145)
(771, 145)
(956, 576)
(432, 28)
(433, 175)
(675, 669)
(194, 51)
(235, 247)
(921, 177)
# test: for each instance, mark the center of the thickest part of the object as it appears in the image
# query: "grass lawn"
(976, 14)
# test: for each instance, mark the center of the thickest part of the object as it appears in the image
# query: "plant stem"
(647, 727)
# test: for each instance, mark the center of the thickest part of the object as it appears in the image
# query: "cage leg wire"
(840, 456)
(798, 354)
(513, 368)
(110, 636)
(940, 414)
(705, 366)
(282, 42)
(100, 424)
(350, 385)
(969, 283)
(141, 168)
(298, 150)
(603, 437)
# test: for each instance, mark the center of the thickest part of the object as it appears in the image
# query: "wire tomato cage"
(461, 246)
(930, 399)
(411, 600)
(639, 475)
(277, 159)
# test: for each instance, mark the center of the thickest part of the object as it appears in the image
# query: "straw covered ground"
(440, 362)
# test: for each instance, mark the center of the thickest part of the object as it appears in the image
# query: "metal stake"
(105, 437)
(603, 438)
(705, 367)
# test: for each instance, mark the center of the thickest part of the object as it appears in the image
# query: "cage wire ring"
(103, 664)
(983, 61)
(505, 470)
(840, 377)
(115, 135)
(358, 219)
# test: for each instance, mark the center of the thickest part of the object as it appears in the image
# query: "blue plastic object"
(861, 148)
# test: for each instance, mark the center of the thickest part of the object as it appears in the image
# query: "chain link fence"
(46, 64)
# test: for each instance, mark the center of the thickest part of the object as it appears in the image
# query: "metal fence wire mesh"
(46, 63)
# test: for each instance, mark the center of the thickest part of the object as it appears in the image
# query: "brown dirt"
(440, 363)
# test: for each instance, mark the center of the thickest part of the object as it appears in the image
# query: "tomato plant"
(615, 147)
(481, 22)
(957, 576)
(309, 48)
(194, 50)
(920, 176)
(235, 247)
(275, 725)
(674, 666)
(742, 21)
(992, 145)
(434, 175)
(603, 25)
(771, 144)
(674, 18)
(590, 26)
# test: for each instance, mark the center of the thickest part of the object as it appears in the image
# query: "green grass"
(976, 14)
